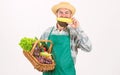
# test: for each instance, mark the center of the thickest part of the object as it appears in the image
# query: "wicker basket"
(37, 65)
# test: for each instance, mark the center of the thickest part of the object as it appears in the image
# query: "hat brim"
(63, 5)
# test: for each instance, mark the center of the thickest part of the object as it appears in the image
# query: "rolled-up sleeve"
(83, 41)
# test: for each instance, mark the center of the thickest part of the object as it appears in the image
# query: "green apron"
(62, 55)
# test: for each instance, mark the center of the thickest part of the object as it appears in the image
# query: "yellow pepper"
(45, 54)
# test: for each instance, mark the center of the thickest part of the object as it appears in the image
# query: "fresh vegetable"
(64, 20)
(37, 51)
(44, 49)
(44, 60)
(40, 50)
(27, 43)
(46, 54)
(41, 56)
(44, 45)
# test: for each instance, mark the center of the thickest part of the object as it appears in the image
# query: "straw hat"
(63, 5)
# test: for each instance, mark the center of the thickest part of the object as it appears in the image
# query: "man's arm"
(45, 35)
(81, 39)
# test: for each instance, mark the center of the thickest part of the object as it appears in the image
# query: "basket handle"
(50, 48)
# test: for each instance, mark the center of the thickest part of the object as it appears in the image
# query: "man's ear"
(56, 14)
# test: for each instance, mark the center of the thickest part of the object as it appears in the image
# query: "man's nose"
(63, 15)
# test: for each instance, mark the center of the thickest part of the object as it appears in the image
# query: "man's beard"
(62, 24)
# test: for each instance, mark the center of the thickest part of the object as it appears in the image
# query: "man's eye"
(60, 12)
(67, 12)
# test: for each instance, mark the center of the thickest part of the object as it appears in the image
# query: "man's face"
(64, 13)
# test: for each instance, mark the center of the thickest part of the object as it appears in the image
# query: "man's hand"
(75, 23)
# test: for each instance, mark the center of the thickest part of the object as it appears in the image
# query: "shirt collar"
(55, 28)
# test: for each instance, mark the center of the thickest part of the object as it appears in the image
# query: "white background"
(100, 19)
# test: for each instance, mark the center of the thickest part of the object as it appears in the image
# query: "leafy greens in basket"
(27, 43)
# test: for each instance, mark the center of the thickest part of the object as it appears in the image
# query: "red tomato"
(44, 49)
